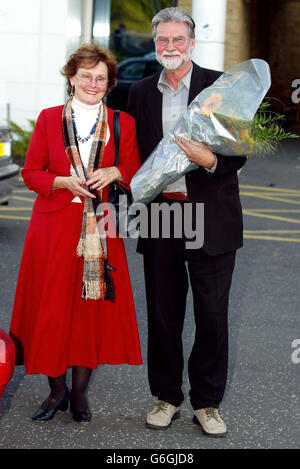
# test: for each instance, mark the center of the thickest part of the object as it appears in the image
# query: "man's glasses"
(176, 41)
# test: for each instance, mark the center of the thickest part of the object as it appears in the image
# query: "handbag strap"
(117, 135)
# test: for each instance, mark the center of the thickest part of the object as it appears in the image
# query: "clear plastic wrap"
(220, 116)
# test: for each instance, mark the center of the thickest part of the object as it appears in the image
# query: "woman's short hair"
(88, 56)
(173, 14)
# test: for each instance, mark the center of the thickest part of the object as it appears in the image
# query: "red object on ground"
(7, 360)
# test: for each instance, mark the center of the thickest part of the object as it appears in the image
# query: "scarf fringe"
(92, 290)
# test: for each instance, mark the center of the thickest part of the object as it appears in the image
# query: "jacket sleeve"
(227, 164)
(131, 101)
(35, 173)
(129, 161)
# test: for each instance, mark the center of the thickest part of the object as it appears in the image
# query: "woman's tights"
(80, 380)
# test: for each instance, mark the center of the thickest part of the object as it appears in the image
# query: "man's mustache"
(168, 54)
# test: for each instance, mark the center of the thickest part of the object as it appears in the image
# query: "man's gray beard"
(173, 64)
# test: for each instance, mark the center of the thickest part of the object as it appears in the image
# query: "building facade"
(37, 36)
(266, 29)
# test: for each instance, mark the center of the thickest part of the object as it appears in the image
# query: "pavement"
(261, 405)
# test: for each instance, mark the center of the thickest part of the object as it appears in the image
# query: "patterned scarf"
(92, 246)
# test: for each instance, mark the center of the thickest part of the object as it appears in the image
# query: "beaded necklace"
(84, 139)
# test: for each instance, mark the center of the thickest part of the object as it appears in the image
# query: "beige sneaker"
(162, 415)
(210, 421)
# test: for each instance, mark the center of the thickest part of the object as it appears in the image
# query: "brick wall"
(185, 5)
(284, 44)
(238, 32)
(237, 42)
(267, 29)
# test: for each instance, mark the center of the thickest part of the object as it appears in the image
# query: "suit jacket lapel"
(154, 100)
(199, 81)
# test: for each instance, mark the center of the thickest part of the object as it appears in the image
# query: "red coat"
(52, 326)
(46, 157)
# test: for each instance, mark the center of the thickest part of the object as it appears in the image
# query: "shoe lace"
(163, 406)
(212, 413)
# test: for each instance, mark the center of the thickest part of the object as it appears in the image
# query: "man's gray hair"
(173, 14)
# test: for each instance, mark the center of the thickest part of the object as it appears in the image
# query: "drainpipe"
(87, 20)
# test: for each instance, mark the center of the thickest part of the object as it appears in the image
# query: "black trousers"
(167, 264)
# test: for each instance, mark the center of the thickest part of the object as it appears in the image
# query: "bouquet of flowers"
(223, 116)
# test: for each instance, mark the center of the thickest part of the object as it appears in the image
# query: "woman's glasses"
(89, 79)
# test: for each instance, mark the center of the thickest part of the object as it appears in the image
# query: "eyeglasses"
(86, 78)
(176, 41)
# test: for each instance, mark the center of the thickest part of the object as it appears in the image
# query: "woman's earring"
(72, 91)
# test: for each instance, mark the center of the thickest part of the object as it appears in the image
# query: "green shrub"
(20, 140)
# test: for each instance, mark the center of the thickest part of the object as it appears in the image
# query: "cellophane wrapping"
(220, 117)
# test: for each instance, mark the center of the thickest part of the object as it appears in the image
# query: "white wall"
(210, 19)
(33, 42)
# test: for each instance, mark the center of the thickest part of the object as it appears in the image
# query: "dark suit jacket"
(219, 191)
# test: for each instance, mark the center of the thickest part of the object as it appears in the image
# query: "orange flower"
(211, 104)
(244, 134)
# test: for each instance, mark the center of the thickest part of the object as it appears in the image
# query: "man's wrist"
(212, 168)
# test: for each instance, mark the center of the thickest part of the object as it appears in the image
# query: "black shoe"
(80, 416)
(42, 415)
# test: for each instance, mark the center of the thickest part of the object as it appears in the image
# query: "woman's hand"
(103, 177)
(197, 152)
(74, 184)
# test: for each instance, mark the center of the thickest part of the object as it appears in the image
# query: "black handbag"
(116, 189)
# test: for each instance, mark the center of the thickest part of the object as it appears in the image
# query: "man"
(156, 103)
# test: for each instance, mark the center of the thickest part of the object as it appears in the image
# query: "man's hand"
(197, 152)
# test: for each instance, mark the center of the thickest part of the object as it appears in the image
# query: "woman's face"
(90, 83)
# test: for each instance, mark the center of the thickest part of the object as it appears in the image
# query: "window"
(132, 71)
(125, 26)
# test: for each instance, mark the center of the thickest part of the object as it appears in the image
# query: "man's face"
(173, 44)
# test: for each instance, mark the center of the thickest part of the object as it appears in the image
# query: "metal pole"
(8, 113)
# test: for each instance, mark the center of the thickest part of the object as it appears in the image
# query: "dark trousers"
(167, 264)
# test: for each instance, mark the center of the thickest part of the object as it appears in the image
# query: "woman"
(73, 305)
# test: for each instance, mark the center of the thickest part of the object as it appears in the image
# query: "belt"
(176, 195)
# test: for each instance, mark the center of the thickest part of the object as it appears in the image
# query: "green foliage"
(21, 139)
(136, 14)
(267, 131)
